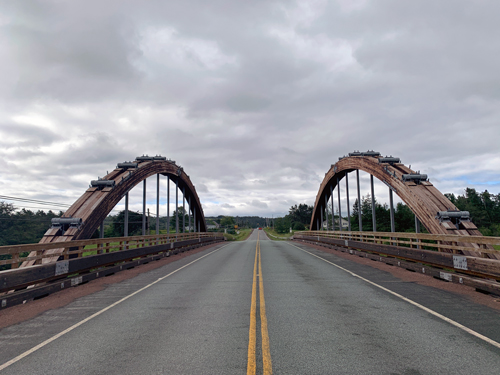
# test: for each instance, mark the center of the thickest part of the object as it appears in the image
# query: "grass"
(273, 235)
(242, 236)
(94, 252)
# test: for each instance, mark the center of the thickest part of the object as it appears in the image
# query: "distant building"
(345, 224)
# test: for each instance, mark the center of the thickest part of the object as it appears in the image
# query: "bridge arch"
(89, 211)
(420, 196)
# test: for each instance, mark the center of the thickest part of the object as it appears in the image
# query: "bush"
(299, 226)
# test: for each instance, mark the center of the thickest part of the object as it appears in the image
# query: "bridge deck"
(320, 319)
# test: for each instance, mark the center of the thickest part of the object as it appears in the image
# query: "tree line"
(484, 209)
(23, 226)
(26, 226)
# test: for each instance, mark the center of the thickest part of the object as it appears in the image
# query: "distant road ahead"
(210, 318)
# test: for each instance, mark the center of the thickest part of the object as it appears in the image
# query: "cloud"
(255, 101)
(258, 204)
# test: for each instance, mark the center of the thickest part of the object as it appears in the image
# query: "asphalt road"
(194, 316)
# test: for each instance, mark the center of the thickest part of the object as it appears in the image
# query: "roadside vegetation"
(25, 226)
(273, 235)
(484, 209)
(240, 235)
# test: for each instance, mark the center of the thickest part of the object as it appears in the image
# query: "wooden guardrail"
(17, 254)
(103, 258)
(435, 250)
(455, 244)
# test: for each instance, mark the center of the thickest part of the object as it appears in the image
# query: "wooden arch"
(95, 204)
(422, 198)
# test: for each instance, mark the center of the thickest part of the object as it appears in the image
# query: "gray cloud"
(256, 101)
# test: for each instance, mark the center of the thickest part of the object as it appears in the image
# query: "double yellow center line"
(252, 341)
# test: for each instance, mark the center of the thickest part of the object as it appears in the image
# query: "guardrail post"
(15, 261)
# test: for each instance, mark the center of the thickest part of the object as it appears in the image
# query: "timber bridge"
(325, 309)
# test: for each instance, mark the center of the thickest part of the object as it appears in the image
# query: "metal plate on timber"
(445, 276)
(76, 280)
(460, 262)
(62, 267)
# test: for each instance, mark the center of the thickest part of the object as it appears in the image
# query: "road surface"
(273, 306)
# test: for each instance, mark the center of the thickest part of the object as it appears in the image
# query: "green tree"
(282, 224)
(180, 214)
(404, 218)
(117, 227)
(227, 222)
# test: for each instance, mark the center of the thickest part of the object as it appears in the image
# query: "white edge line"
(53, 338)
(426, 309)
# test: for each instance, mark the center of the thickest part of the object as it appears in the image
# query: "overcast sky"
(255, 99)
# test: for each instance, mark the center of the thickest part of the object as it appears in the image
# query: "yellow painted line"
(55, 337)
(252, 340)
(266, 353)
(426, 309)
(252, 336)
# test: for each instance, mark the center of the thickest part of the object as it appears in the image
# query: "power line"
(36, 201)
(17, 207)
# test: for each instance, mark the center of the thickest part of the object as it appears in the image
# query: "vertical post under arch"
(125, 225)
(333, 210)
(177, 206)
(417, 228)
(189, 214)
(158, 203)
(194, 220)
(326, 211)
(359, 203)
(348, 208)
(184, 210)
(168, 205)
(144, 207)
(391, 203)
(374, 219)
(340, 210)
(321, 212)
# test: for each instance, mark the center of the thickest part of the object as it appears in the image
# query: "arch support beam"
(421, 197)
(96, 203)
